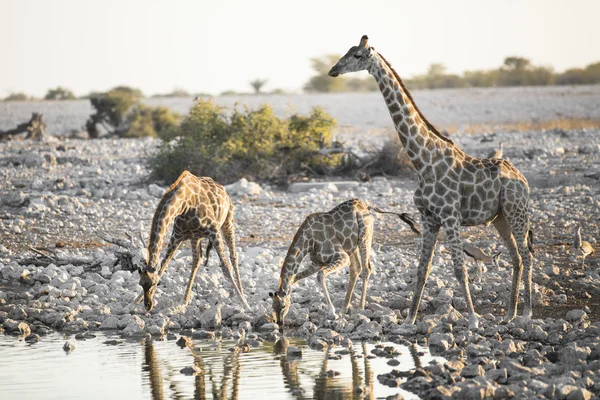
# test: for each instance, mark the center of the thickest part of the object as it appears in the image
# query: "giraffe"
(334, 240)
(199, 208)
(454, 188)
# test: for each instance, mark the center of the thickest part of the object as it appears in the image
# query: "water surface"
(149, 369)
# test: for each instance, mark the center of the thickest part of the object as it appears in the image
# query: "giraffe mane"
(429, 124)
(297, 238)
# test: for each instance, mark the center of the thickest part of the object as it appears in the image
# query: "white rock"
(243, 187)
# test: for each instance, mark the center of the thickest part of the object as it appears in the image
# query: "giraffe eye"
(357, 56)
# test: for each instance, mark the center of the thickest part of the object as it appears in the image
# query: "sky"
(211, 46)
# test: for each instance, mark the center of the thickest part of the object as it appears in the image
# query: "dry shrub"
(390, 160)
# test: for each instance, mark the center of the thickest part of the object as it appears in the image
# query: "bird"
(480, 258)
(581, 247)
(497, 153)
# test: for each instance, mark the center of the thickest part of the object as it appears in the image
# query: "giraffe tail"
(404, 217)
(530, 241)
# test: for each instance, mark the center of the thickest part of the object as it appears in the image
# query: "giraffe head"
(281, 305)
(358, 58)
(148, 282)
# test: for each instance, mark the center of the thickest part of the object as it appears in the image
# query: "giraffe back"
(198, 203)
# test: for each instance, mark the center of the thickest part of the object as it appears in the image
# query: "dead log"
(35, 128)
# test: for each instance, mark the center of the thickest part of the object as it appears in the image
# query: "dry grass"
(564, 123)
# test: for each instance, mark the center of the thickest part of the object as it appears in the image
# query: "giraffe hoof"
(473, 322)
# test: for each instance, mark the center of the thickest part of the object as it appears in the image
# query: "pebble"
(524, 355)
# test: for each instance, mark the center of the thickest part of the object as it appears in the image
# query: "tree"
(516, 63)
(323, 82)
(436, 69)
(136, 93)
(19, 96)
(59, 93)
(257, 84)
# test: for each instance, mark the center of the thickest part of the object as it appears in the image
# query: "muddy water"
(148, 369)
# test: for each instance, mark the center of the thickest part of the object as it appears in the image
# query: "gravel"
(62, 197)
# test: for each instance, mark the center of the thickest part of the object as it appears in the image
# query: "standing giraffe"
(334, 240)
(454, 189)
(199, 208)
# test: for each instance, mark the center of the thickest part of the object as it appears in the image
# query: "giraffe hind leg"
(505, 232)
(196, 245)
(339, 260)
(229, 236)
(226, 266)
(430, 233)
(355, 269)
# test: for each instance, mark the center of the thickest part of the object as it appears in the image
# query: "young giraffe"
(334, 240)
(454, 188)
(199, 208)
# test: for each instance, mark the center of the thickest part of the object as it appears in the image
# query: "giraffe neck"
(296, 253)
(167, 210)
(421, 140)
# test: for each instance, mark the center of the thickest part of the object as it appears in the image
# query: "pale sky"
(212, 46)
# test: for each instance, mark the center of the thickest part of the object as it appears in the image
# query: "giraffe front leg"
(174, 244)
(451, 226)
(339, 260)
(430, 233)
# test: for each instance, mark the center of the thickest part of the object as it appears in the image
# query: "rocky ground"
(60, 199)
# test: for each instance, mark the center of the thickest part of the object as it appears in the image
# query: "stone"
(193, 370)
(299, 187)
(202, 334)
(24, 328)
(243, 187)
(68, 347)
(110, 322)
(580, 394)
(471, 371)
(497, 375)
(211, 318)
(294, 352)
(576, 315)
(156, 191)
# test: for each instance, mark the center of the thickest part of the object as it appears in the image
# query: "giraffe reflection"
(219, 387)
(152, 366)
(326, 385)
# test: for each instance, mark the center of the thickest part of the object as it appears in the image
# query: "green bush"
(121, 113)
(60, 93)
(246, 143)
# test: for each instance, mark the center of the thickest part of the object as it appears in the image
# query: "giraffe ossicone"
(454, 188)
(198, 208)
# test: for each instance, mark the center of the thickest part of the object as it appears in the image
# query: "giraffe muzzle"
(334, 73)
